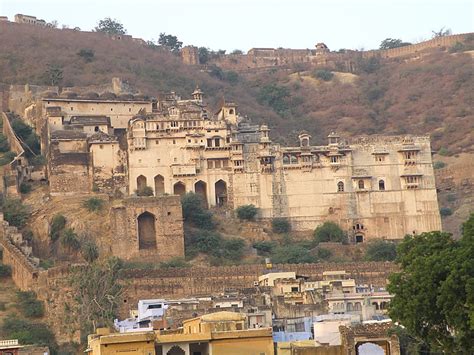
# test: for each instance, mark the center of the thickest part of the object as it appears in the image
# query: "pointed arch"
(141, 182)
(159, 185)
(221, 192)
(179, 188)
(200, 188)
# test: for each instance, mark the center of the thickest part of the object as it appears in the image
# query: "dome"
(51, 94)
(69, 94)
(91, 95)
(125, 97)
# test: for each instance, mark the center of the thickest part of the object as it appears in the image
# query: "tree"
(237, 51)
(110, 26)
(86, 54)
(89, 251)
(29, 304)
(281, 225)
(293, 254)
(97, 294)
(433, 294)
(389, 43)
(247, 212)
(441, 32)
(54, 74)
(323, 74)
(381, 250)
(194, 211)
(274, 96)
(170, 42)
(329, 232)
(93, 204)
(15, 213)
(203, 54)
(58, 223)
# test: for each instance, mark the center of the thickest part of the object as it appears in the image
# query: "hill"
(430, 93)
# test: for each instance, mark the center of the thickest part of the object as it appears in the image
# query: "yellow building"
(105, 343)
(221, 333)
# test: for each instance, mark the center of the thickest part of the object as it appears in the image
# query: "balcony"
(183, 170)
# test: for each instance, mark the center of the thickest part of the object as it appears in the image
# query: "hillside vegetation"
(432, 94)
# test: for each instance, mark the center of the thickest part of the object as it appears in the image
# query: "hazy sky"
(243, 24)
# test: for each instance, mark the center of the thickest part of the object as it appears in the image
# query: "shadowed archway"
(221, 193)
(179, 188)
(141, 182)
(200, 188)
(159, 185)
(146, 231)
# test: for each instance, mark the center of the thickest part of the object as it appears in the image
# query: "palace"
(375, 187)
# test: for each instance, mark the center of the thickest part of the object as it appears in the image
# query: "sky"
(245, 24)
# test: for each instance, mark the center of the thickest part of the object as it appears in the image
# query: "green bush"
(451, 197)
(57, 225)
(25, 188)
(3, 307)
(37, 160)
(195, 213)
(46, 263)
(86, 54)
(439, 164)
(70, 240)
(292, 254)
(264, 248)
(323, 254)
(144, 191)
(29, 304)
(28, 332)
(281, 225)
(232, 249)
(4, 145)
(443, 152)
(15, 213)
(445, 211)
(246, 212)
(458, 47)
(323, 74)
(381, 250)
(5, 270)
(7, 158)
(274, 96)
(174, 263)
(89, 251)
(329, 232)
(93, 204)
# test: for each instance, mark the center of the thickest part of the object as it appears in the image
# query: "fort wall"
(271, 57)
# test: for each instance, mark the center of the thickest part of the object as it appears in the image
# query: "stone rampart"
(279, 57)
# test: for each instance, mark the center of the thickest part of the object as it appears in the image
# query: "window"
(231, 112)
(340, 186)
(209, 164)
(217, 142)
(334, 159)
(379, 157)
(361, 184)
(209, 142)
(381, 185)
(111, 109)
(217, 164)
(174, 141)
(359, 238)
(72, 108)
(96, 129)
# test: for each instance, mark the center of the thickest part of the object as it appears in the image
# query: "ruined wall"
(69, 172)
(158, 238)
